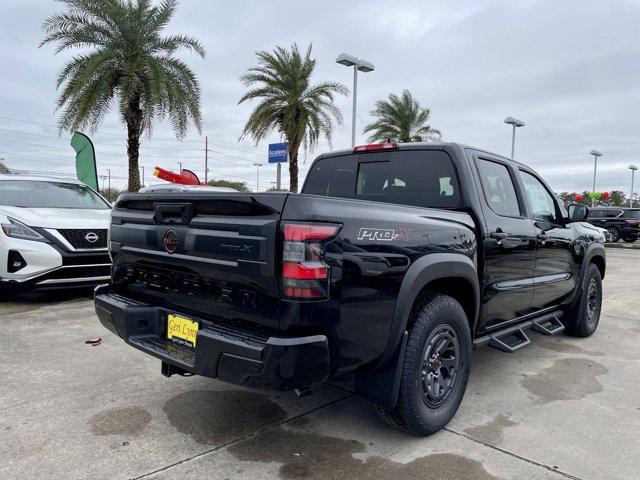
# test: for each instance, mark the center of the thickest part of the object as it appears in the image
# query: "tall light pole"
(358, 64)
(515, 123)
(633, 169)
(595, 154)
(257, 165)
(180, 165)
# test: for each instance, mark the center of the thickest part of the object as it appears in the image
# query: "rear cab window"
(423, 178)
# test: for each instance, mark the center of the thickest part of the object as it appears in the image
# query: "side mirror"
(578, 213)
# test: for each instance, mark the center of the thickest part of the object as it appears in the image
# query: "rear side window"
(633, 214)
(595, 214)
(498, 188)
(423, 178)
(332, 177)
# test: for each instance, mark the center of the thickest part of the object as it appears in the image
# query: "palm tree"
(128, 59)
(402, 119)
(300, 111)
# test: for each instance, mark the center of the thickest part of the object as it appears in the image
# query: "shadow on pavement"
(28, 302)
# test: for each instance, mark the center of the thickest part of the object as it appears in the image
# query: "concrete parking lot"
(560, 408)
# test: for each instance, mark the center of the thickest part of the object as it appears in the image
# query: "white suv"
(53, 234)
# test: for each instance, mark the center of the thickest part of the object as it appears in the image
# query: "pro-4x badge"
(384, 234)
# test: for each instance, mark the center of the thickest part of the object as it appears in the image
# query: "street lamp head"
(514, 121)
(633, 167)
(257, 164)
(365, 66)
(347, 60)
(595, 153)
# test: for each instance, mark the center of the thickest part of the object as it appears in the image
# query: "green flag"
(85, 160)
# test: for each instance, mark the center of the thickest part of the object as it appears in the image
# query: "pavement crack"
(241, 439)
(620, 293)
(514, 455)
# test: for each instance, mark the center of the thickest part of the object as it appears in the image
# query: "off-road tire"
(435, 315)
(582, 319)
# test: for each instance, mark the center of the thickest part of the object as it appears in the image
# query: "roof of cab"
(424, 146)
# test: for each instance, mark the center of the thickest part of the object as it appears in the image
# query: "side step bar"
(548, 326)
(514, 338)
(509, 341)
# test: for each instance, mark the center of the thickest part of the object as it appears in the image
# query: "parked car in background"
(621, 223)
(53, 234)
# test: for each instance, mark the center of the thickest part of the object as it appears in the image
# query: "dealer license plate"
(181, 330)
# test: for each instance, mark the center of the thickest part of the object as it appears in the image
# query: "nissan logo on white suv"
(91, 237)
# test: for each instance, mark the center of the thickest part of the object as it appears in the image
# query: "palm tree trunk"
(133, 118)
(293, 166)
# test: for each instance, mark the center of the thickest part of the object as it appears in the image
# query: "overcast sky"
(569, 69)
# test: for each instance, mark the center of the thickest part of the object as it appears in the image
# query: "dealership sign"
(278, 152)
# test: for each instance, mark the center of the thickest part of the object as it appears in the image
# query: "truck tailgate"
(204, 254)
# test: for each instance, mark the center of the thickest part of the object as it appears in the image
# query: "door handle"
(498, 234)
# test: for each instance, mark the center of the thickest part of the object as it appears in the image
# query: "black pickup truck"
(391, 266)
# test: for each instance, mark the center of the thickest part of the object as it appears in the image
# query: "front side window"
(43, 194)
(498, 188)
(543, 206)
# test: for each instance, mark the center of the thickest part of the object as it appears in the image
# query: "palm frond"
(402, 119)
(129, 62)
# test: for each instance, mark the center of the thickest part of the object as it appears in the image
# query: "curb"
(625, 246)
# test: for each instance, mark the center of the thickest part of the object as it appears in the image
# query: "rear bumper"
(239, 356)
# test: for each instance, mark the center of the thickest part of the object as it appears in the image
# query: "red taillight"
(632, 223)
(376, 146)
(301, 233)
(305, 271)
(305, 275)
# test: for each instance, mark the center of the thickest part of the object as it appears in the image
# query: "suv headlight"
(16, 229)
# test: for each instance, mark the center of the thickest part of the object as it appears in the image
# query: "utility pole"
(103, 178)
(180, 164)
(109, 190)
(142, 167)
(206, 159)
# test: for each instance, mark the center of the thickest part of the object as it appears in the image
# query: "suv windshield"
(42, 194)
(424, 178)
